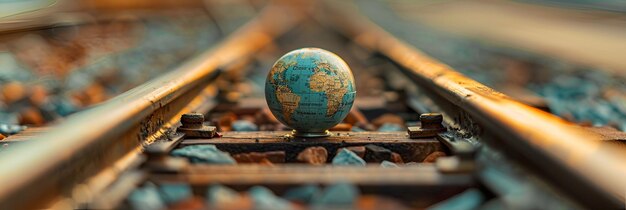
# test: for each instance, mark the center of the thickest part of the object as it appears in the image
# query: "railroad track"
(100, 155)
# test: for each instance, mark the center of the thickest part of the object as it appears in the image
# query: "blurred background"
(60, 57)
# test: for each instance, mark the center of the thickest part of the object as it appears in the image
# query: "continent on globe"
(310, 90)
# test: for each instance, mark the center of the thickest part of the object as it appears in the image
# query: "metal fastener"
(193, 126)
(431, 126)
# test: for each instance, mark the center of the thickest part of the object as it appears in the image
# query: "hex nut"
(193, 126)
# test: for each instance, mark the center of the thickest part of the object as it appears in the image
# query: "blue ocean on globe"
(310, 90)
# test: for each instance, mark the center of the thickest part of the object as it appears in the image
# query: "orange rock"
(396, 158)
(266, 162)
(378, 202)
(313, 155)
(225, 121)
(95, 93)
(244, 202)
(192, 203)
(342, 127)
(2, 136)
(260, 157)
(275, 156)
(31, 116)
(38, 95)
(432, 157)
(388, 118)
(356, 117)
(79, 98)
(13, 91)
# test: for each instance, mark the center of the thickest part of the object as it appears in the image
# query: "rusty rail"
(83, 154)
(590, 171)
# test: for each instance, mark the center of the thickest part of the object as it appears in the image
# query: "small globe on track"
(310, 90)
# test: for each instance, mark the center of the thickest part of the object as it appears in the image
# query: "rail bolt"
(431, 126)
(193, 126)
(431, 121)
(192, 120)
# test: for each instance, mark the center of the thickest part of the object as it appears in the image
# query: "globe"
(310, 90)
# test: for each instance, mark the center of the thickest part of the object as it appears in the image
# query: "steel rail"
(589, 171)
(101, 141)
